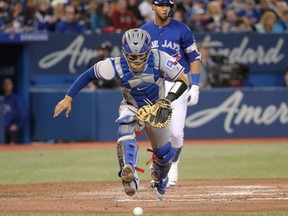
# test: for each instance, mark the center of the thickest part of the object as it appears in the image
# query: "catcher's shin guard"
(127, 147)
(127, 152)
(160, 168)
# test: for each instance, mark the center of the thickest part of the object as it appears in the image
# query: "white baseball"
(138, 211)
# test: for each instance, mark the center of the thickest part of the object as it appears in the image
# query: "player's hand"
(64, 104)
(193, 95)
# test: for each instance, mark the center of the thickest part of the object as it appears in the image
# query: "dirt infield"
(189, 196)
(195, 196)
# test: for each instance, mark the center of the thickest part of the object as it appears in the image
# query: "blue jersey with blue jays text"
(176, 39)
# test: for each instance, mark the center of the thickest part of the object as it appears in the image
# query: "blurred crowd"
(84, 16)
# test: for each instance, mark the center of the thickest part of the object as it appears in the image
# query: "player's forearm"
(195, 72)
(81, 82)
(180, 86)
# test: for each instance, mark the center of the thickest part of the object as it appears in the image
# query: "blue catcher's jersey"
(176, 39)
(147, 86)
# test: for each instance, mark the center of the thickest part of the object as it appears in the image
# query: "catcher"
(141, 72)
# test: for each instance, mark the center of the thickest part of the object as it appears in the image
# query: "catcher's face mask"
(136, 47)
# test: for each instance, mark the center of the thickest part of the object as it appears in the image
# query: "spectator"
(58, 14)
(79, 9)
(195, 15)
(249, 14)
(4, 14)
(90, 8)
(213, 18)
(70, 23)
(268, 23)
(206, 64)
(240, 26)
(286, 78)
(178, 15)
(280, 9)
(229, 20)
(29, 14)
(264, 5)
(99, 18)
(122, 18)
(285, 19)
(103, 51)
(43, 16)
(16, 20)
(186, 6)
(14, 112)
(146, 10)
(134, 7)
(236, 6)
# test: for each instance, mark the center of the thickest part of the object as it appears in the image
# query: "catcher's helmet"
(136, 46)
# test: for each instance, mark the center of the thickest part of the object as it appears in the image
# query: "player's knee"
(165, 153)
(177, 135)
(126, 132)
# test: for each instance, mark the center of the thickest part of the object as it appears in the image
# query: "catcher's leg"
(161, 165)
(127, 151)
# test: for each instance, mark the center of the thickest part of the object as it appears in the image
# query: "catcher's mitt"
(157, 115)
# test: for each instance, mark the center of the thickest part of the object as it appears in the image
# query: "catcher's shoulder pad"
(105, 69)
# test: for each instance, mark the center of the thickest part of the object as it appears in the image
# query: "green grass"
(235, 161)
(242, 161)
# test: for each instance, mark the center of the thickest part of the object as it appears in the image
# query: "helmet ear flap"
(171, 11)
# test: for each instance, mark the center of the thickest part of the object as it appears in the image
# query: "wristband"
(195, 78)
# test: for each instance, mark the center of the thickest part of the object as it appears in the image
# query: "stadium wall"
(220, 113)
(1, 120)
(63, 57)
(41, 61)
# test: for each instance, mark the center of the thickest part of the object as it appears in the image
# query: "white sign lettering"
(245, 54)
(237, 114)
(78, 55)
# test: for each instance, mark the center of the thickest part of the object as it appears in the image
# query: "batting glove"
(193, 95)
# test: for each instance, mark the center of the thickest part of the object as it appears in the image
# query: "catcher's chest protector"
(142, 87)
(129, 79)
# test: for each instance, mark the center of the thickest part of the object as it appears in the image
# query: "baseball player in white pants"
(176, 39)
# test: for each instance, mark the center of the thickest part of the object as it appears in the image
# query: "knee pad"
(165, 153)
(162, 163)
(127, 152)
(126, 132)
